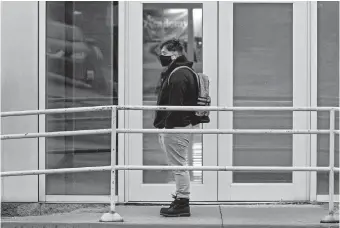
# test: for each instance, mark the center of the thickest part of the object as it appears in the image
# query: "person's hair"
(173, 45)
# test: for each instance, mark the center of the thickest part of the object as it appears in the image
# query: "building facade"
(80, 54)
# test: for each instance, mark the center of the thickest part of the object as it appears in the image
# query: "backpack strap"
(185, 67)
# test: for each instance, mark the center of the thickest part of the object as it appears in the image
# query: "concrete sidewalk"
(202, 216)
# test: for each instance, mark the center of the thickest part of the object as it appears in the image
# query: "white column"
(19, 91)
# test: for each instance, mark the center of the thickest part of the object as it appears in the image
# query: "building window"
(263, 76)
(327, 86)
(81, 71)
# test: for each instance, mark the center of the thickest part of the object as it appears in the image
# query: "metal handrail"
(153, 108)
(153, 131)
(167, 168)
(113, 216)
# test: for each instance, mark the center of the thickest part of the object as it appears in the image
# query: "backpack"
(203, 98)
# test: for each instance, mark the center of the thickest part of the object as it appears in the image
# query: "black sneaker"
(178, 208)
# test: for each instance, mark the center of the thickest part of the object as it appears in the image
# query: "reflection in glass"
(81, 58)
(161, 24)
(328, 86)
(263, 76)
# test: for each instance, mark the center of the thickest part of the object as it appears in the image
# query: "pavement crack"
(220, 209)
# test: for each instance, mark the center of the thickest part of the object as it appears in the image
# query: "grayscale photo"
(170, 114)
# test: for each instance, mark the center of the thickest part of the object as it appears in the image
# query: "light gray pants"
(176, 148)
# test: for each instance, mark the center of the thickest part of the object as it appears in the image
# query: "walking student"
(177, 87)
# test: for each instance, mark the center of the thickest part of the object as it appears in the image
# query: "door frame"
(228, 191)
(135, 189)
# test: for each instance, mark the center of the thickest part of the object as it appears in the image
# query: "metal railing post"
(113, 216)
(332, 217)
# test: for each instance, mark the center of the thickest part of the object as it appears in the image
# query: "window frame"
(42, 105)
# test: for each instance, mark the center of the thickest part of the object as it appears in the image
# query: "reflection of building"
(184, 24)
(87, 54)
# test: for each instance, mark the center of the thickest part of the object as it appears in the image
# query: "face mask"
(165, 60)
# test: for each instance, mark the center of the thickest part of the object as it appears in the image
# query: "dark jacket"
(180, 91)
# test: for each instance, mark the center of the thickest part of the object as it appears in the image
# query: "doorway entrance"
(255, 54)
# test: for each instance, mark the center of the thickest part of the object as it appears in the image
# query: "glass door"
(263, 61)
(150, 24)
